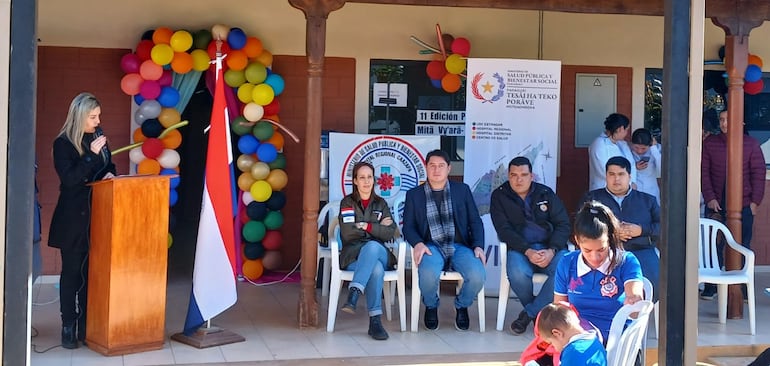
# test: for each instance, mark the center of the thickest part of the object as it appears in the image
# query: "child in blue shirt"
(600, 277)
(559, 325)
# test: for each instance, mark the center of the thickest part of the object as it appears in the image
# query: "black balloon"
(276, 201)
(147, 35)
(152, 128)
(256, 210)
(254, 251)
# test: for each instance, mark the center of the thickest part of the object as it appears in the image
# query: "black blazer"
(71, 220)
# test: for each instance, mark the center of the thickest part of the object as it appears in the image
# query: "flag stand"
(208, 336)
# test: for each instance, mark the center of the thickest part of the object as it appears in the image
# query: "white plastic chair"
(709, 270)
(330, 211)
(648, 295)
(338, 276)
(505, 286)
(445, 276)
(624, 344)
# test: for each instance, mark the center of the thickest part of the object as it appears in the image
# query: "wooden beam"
(714, 8)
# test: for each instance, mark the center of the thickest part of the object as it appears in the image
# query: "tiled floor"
(267, 317)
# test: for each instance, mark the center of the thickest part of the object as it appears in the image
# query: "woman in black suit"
(80, 157)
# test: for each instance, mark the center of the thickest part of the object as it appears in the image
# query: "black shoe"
(376, 329)
(709, 292)
(350, 306)
(520, 325)
(68, 339)
(461, 320)
(431, 318)
(81, 329)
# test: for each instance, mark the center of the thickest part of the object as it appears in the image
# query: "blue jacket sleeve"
(411, 226)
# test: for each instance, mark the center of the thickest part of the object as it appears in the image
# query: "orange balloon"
(265, 58)
(276, 140)
(172, 140)
(277, 179)
(451, 83)
(138, 135)
(182, 62)
(169, 117)
(253, 269)
(162, 35)
(236, 60)
(253, 47)
(274, 118)
(755, 60)
(245, 180)
(149, 167)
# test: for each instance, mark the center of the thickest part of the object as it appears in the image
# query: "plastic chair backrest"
(648, 291)
(624, 344)
(330, 211)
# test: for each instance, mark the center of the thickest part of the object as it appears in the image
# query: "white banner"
(512, 110)
(399, 162)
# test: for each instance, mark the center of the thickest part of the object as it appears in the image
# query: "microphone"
(105, 150)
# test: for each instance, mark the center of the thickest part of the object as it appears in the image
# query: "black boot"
(68, 339)
(350, 306)
(375, 328)
(81, 331)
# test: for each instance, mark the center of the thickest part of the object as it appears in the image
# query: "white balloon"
(247, 198)
(169, 159)
(253, 112)
(136, 155)
(220, 32)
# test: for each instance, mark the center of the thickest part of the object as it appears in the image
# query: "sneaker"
(709, 292)
(461, 320)
(519, 326)
(376, 330)
(431, 318)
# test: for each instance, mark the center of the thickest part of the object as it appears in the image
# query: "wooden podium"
(127, 265)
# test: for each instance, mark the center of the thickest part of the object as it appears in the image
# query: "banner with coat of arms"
(512, 110)
(399, 162)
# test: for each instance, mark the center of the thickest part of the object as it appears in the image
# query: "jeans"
(464, 261)
(520, 271)
(73, 284)
(650, 262)
(369, 274)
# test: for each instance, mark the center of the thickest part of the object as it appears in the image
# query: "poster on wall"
(512, 110)
(399, 162)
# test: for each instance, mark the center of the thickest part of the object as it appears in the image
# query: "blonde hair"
(74, 126)
(556, 316)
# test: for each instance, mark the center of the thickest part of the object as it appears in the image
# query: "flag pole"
(207, 335)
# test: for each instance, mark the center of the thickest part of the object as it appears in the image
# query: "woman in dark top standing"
(80, 157)
(365, 224)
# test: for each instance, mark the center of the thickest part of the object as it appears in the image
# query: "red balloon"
(273, 108)
(754, 87)
(144, 48)
(150, 89)
(244, 217)
(212, 49)
(166, 79)
(436, 70)
(129, 63)
(272, 240)
(461, 46)
(152, 148)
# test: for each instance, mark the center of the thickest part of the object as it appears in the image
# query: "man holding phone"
(646, 152)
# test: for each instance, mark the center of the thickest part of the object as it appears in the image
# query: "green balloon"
(201, 39)
(279, 162)
(263, 130)
(253, 231)
(256, 73)
(234, 78)
(238, 128)
(273, 220)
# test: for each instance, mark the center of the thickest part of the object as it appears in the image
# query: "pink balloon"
(129, 63)
(166, 79)
(150, 89)
(150, 70)
(131, 83)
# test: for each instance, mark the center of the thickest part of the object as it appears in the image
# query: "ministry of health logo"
(487, 87)
(398, 165)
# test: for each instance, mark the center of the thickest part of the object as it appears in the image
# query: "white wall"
(366, 31)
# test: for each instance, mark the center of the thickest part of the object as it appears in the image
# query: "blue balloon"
(172, 197)
(175, 180)
(248, 144)
(266, 153)
(236, 38)
(436, 83)
(276, 82)
(753, 73)
(138, 99)
(168, 97)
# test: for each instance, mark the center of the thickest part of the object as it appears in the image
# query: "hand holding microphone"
(99, 144)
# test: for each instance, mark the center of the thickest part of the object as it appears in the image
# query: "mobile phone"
(644, 159)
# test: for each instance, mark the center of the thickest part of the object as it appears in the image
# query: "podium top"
(132, 178)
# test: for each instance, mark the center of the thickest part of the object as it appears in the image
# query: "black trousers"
(73, 287)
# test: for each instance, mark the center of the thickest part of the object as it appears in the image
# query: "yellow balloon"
(245, 180)
(162, 54)
(277, 179)
(200, 60)
(261, 191)
(263, 94)
(455, 64)
(260, 170)
(253, 269)
(171, 240)
(245, 92)
(181, 41)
